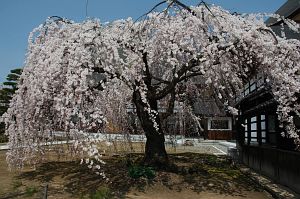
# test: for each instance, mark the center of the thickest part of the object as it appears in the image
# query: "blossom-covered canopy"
(79, 77)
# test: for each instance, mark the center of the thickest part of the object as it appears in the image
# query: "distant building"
(216, 122)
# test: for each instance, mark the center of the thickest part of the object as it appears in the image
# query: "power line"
(86, 8)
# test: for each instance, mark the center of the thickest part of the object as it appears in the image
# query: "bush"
(141, 171)
(30, 191)
(3, 138)
(102, 193)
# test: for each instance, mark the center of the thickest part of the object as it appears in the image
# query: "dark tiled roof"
(287, 10)
(289, 34)
(206, 107)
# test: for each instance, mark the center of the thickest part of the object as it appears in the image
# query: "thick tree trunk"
(155, 152)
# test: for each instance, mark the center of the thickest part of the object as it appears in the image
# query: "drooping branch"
(152, 9)
(270, 32)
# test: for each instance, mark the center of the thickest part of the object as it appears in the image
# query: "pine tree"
(6, 92)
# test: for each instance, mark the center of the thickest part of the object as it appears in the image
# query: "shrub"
(3, 138)
(102, 193)
(30, 191)
(141, 171)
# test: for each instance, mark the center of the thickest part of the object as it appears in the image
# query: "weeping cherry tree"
(81, 76)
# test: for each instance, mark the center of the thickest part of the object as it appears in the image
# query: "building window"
(255, 83)
(246, 131)
(219, 124)
(272, 129)
(255, 129)
(252, 85)
(263, 130)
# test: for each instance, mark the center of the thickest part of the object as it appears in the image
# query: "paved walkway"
(216, 147)
(3, 146)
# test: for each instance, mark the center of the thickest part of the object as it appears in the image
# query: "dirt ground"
(191, 176)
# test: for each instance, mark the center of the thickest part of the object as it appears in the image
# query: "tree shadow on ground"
(79, 180)
(197, 172)
(211, 173)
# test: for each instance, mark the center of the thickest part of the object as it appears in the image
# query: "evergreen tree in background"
(6, 92)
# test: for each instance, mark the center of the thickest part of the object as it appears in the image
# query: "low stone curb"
(277, 191)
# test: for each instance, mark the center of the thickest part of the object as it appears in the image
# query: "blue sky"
(19, 17)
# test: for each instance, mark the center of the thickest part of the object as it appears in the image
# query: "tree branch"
(150, 10)
(269, 31)
(171, 104)
(161, 80)
(147, 78)
(192, 63)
